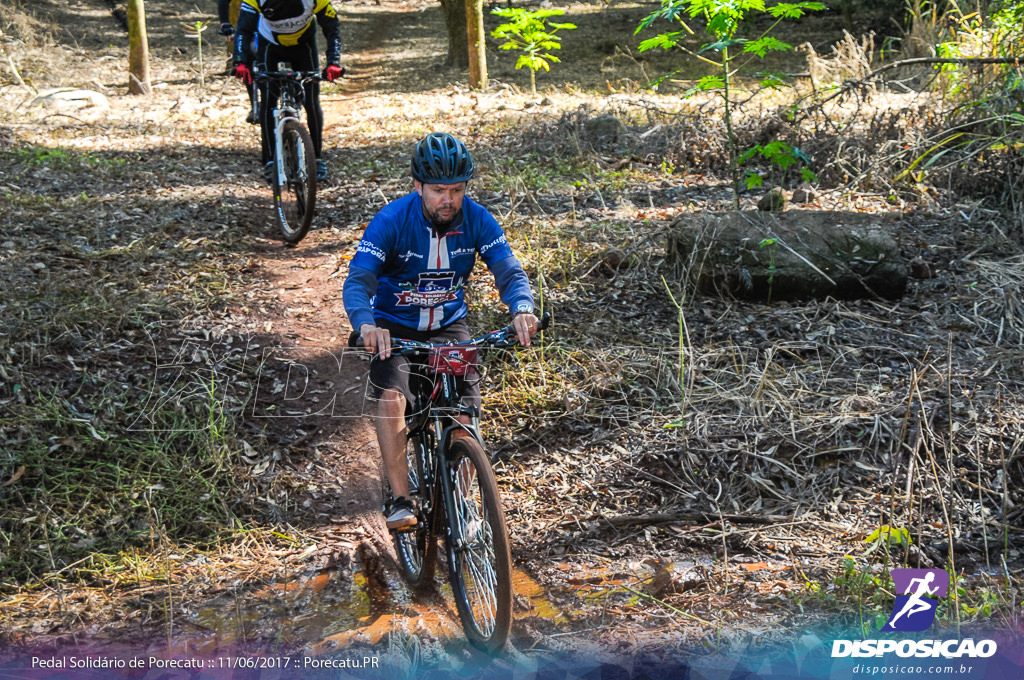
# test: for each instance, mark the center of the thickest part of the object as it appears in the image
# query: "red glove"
(332, 72)
(242, 72)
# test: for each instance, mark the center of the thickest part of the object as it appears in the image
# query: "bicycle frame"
(441, 407)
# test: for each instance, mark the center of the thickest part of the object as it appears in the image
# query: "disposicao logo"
(917, 597)
(916, 593)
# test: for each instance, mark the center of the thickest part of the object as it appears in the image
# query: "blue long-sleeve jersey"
(406, 272)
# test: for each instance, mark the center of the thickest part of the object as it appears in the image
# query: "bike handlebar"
(502, 337)
(290, 75)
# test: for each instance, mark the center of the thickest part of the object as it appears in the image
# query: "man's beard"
(443, 223)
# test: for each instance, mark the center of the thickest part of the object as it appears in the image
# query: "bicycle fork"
(449, 501)
(300, 150)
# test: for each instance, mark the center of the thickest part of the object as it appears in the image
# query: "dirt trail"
(339, 450)
(309, 390)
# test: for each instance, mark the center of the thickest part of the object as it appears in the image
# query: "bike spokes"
(476, 552)
(478, 549)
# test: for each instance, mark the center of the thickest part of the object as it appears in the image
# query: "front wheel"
(479, 561)
(295, 199)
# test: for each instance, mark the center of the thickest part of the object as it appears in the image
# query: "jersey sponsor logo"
(431, 290)
(293, 24)
(496, 242)
(327, 8)
(460, 252)
(408, 255)
(371, 250)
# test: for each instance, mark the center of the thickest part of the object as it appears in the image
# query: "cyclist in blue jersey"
(407, 280)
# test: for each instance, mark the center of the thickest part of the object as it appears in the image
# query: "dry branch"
(917, 61)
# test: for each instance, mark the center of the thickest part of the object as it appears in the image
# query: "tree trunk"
(455, 23)
(477, 44)
(138, 49)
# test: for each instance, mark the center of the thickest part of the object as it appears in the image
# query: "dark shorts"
(399, 373)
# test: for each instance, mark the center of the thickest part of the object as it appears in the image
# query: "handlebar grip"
(355, 339)
(545, 321)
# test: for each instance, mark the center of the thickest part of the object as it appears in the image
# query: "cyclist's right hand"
(242, 72)
(376, 340)
(226, 29)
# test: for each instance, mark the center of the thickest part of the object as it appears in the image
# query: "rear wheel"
(478, 548)
(295, 200)
(416, 547)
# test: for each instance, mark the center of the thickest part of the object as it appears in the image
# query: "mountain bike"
(454, 488)
(294, 177)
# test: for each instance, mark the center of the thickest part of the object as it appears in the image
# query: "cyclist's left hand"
(333, 72)
(526, 325)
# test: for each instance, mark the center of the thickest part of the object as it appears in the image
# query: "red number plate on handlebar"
(452, 360)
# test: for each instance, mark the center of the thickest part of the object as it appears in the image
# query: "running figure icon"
(914, 609)
(916, 605)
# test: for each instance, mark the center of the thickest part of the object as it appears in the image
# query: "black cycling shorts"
(398, 372)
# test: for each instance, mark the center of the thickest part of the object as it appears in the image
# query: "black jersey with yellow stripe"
(286, 22)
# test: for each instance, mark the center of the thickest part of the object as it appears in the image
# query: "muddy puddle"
(335, 609)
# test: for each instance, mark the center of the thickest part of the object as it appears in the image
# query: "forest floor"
(745, 503)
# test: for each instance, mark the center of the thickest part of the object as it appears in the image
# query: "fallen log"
(793, 255)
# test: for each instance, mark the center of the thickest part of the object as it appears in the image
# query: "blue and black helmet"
(441, 159)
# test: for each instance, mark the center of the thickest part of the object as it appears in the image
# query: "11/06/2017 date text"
(296, 662)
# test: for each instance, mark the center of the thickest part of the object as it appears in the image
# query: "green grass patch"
(58, 158)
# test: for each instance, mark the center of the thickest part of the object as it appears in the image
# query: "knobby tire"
(416, 548)
(480, 570)
(295, 201)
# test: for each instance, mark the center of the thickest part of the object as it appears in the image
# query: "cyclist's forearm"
(331, 28)
(247, 22)
(359, 287)
(513, 284)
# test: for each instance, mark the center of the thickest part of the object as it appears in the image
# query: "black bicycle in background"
(454, 488)
(294, 176)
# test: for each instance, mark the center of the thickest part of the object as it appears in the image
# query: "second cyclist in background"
(286, 34)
